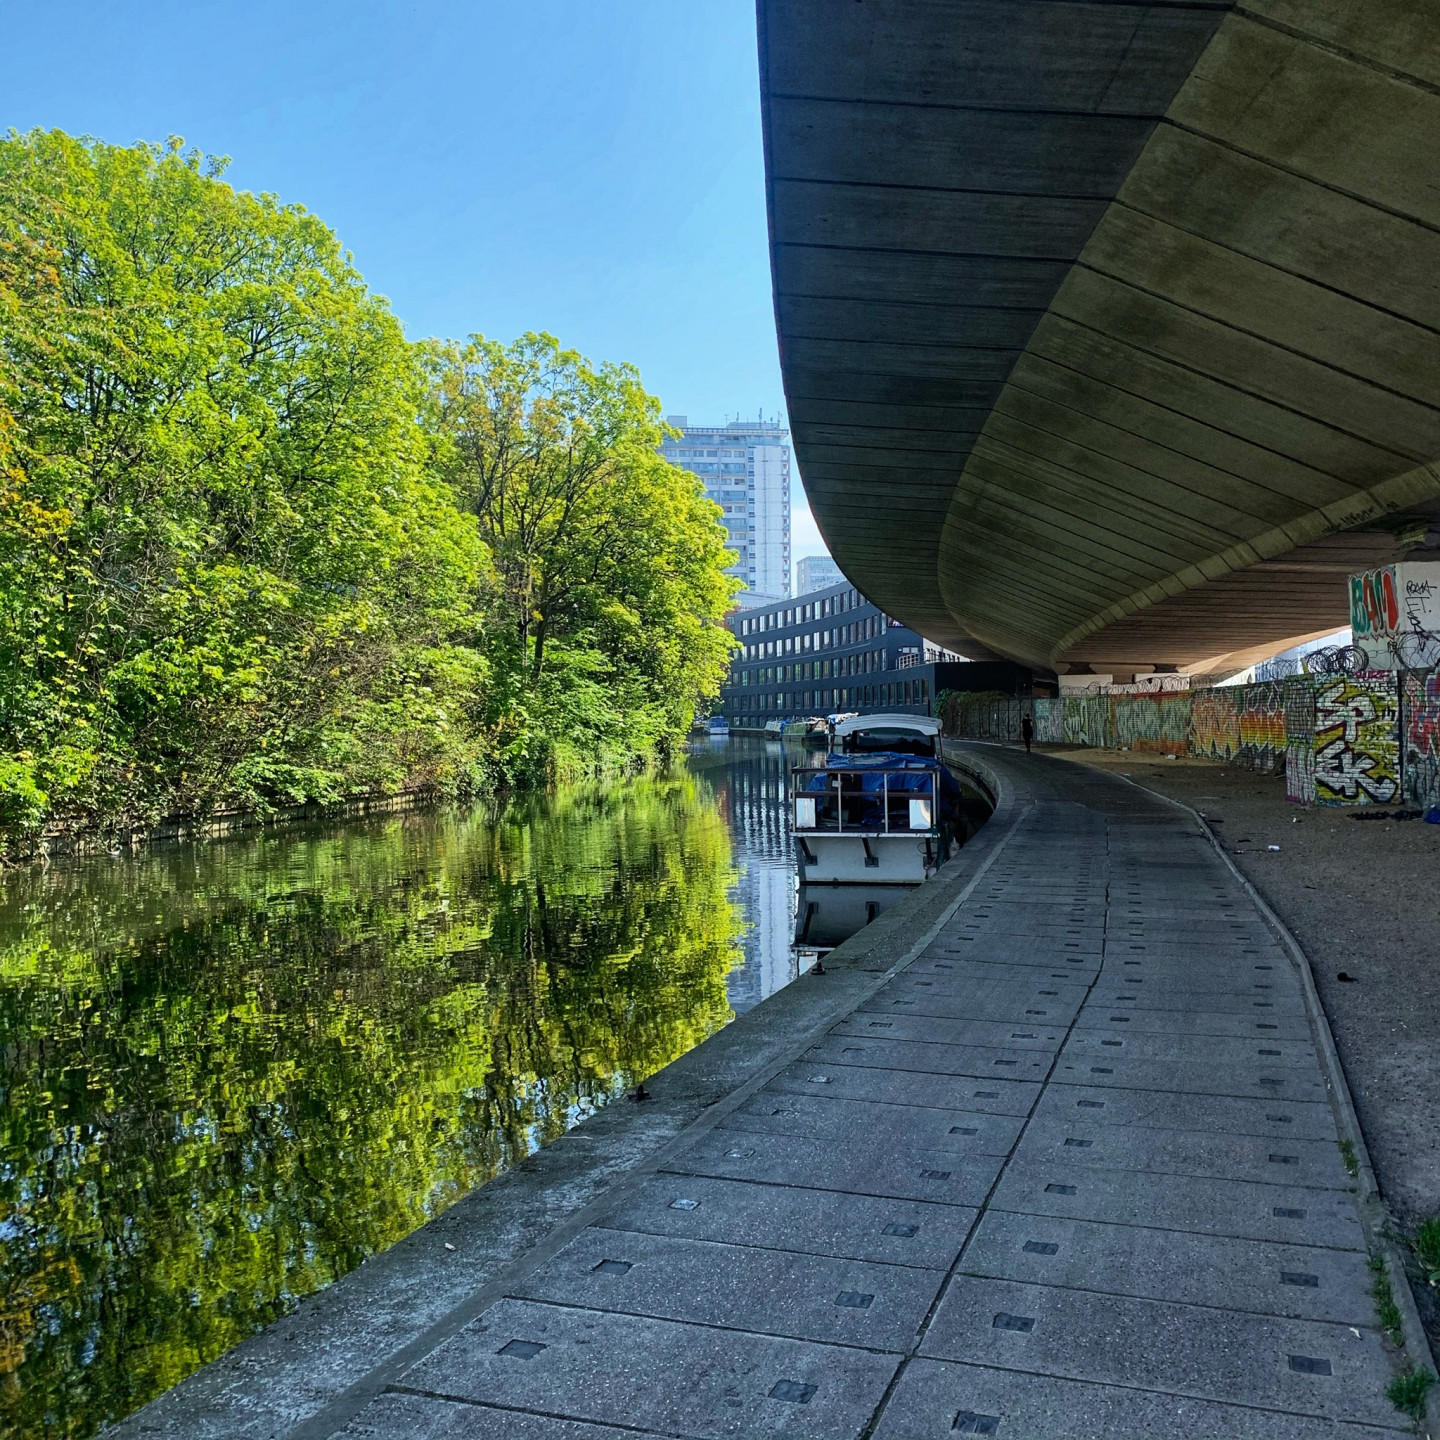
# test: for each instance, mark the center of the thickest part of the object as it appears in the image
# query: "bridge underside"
(1110, 332)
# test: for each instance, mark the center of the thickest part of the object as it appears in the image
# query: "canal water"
(231, 1070)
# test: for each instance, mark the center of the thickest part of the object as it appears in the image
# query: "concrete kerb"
(980, 853)
(1375, 1216)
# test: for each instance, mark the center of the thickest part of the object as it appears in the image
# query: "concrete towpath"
(1067, 1168)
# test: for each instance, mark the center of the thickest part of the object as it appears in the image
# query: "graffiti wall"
(1366, 739)
(1261, 723)
(1215, 724)
(1420, 722)
(1357, 739)
(1087, 720)
(1157, 724)
(1299, 702)
(1050, 722)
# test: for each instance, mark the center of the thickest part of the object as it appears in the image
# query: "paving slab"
(1158, 995)
(400, 1415)
(922, 1127)
(1195, 1078)
(656, 1374)
(1168, 1110)
(1237, 1024)
(905, 1087)
(872, 1165)
(924, 1057)
(949, 1000)
(1198, 1351)
(1075, 1140)
(957, 972)
(934, 1399)
(1301, 1282)
(1199, 953)
(739, 1287)
(1102, 1034)
(815, 1222)
(1207, 1205)
(1024, 950)
(945, 1030)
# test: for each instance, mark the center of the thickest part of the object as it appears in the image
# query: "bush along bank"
(259, 551)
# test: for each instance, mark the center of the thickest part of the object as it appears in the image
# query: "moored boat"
(880, 808)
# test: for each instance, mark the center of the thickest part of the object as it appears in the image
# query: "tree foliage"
(608, 560)
(246, 528)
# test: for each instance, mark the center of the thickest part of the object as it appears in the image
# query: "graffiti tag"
(1357, 740)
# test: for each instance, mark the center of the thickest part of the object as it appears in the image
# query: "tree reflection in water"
(232, 1071)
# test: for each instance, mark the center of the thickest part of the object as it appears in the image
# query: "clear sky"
(588, 167)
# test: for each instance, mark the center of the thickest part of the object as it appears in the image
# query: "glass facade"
(821, 653)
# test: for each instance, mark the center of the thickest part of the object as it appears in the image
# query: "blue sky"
(588, 167)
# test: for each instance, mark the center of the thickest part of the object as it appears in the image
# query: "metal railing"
(864, 802)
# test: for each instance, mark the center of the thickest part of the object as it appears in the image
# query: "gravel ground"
(1363, 899)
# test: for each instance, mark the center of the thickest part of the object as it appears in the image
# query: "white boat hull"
(855, 859)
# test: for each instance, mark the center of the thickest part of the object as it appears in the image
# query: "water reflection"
(230, 1072)
(751, 779)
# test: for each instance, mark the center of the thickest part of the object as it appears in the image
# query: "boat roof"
(923, 724)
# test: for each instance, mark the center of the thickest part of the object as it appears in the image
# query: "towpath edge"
(342, 1343)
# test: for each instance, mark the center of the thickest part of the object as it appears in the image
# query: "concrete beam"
(1145, 297)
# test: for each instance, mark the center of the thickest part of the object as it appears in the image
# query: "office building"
(816, 572)
(835, 651)
(745, 468)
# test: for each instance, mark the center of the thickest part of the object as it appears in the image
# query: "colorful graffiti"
(1374, 603)
(1087, 720)
(1357, 739)
(1214, 724)
(1366, 739)
(1157, 724)
(1049, 722)
(1420, 718)
(1262, 725)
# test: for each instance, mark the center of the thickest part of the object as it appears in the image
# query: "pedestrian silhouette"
(1027, 731)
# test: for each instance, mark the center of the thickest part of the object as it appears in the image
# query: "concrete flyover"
(1110, 331)
(1050, 1150)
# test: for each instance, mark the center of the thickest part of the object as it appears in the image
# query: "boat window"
(892, 740)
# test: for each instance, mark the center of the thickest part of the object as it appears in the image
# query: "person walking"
(1027, 731)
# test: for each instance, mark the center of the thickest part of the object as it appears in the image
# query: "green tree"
(609, 586)
(227, 574)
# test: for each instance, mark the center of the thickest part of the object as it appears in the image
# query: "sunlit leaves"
(221, 545)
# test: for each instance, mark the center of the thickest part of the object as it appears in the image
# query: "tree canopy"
(609, 561)
(258, 549)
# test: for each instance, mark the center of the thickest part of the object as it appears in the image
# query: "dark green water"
(230, 1071)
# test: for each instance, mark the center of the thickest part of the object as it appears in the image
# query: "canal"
(232, 1070)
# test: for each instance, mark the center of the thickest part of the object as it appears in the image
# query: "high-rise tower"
(745, 468)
